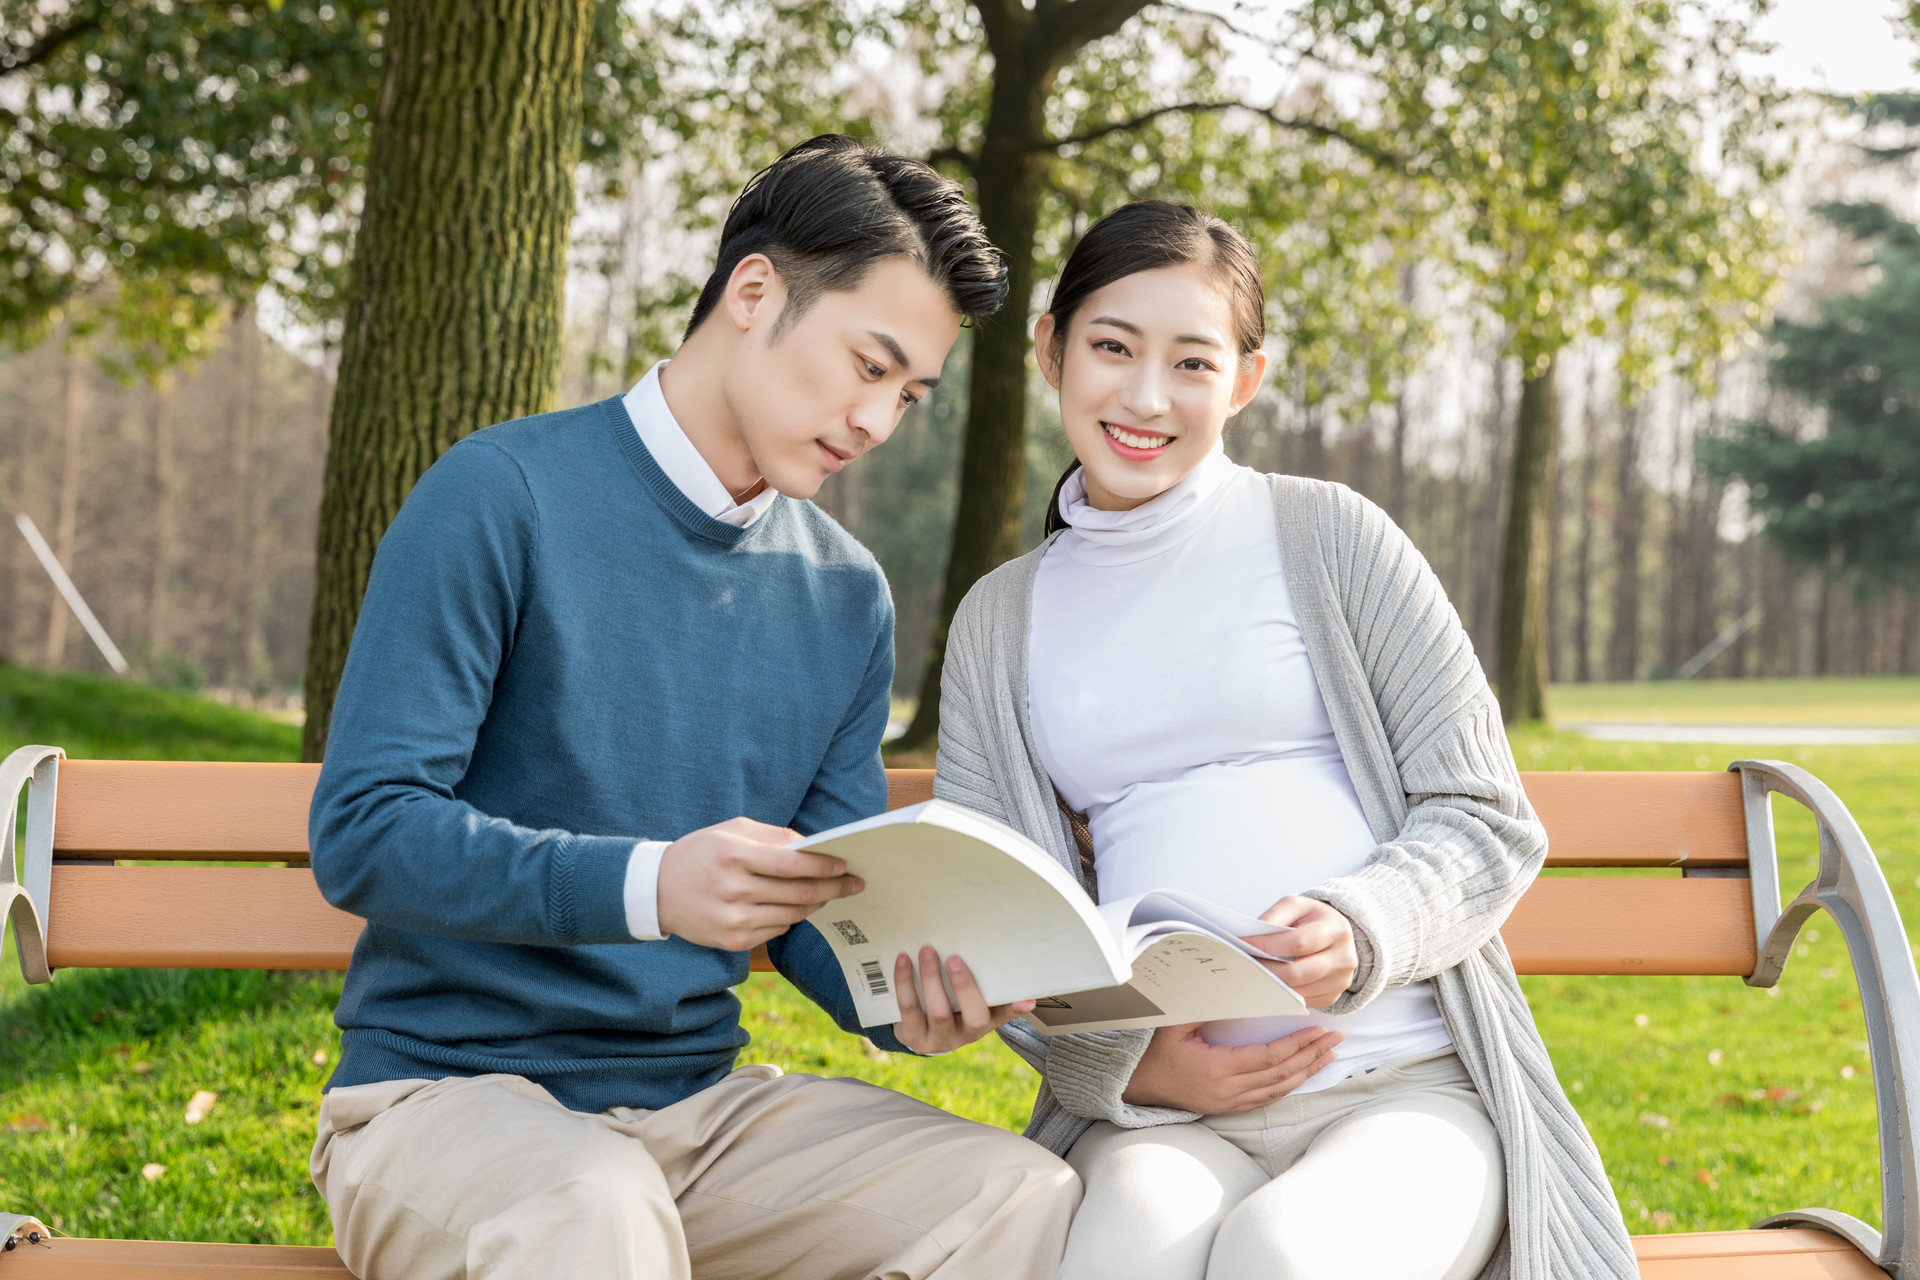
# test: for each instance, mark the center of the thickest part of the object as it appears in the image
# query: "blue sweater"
(559, 655)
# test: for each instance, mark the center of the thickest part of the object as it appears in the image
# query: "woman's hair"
(1146, 236)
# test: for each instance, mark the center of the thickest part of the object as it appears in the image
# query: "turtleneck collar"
(1159, 524)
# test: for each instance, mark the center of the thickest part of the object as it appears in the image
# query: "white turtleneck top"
(1173, 703)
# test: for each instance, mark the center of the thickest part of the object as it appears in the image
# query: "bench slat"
(1640, 819)
(1722, 1255)
(156, 809)
(275, 918)
(195, 918)
(70, 1259)
(1784, 1254)
(160, 809)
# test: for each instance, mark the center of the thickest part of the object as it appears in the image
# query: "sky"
(1839, 46)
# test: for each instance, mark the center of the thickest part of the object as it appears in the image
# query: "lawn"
(1877, 700)
(1713, 1103)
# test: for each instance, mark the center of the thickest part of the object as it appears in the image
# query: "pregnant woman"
(1251, 687)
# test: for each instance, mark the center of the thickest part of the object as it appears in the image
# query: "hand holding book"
(1317, 956)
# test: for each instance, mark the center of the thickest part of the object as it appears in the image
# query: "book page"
(941, 875)
(1179, 977)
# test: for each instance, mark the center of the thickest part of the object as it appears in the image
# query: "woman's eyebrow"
(1192, 339)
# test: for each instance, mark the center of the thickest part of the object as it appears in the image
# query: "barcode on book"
(875, 976)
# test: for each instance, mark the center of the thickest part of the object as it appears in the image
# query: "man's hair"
(829, 209)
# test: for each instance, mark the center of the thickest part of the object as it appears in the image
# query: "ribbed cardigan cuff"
(1376, 903)
(1089, 1071)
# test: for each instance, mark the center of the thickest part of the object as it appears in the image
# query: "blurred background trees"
(1522, 260)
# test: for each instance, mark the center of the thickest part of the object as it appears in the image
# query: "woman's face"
(1148, 376)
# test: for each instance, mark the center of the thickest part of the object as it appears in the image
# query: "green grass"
(1867, 700)
(96, 1071)
(101, 718)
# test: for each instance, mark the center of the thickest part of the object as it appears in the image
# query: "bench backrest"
(108, 811)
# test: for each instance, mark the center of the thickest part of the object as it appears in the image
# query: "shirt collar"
(675, 455)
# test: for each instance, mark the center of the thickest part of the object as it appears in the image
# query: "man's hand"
(735, 885)
(1320, 951)
(928, 1021)
(1181, 1070)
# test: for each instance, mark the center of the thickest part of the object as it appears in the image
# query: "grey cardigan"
(1458, 844)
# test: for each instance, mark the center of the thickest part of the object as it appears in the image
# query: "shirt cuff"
(642, 891)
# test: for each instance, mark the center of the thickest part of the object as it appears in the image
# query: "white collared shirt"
(675, 455)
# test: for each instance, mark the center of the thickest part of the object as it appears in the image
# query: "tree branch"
(953, 154)
(1064, 27)
(20, 57)
(1005, 23)
(1372, 151)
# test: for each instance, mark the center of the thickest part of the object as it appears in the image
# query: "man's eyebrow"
(900, 356)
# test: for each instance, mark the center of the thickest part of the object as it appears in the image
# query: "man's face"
(836, 381)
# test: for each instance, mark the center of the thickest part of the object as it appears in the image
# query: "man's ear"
(1246, 383)
(755, 293)
(1044, 352)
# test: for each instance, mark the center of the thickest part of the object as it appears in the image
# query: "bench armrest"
(26, 870)
(1851, 888)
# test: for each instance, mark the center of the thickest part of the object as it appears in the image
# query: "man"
(609, 662)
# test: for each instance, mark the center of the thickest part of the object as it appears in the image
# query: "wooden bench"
(71, 906)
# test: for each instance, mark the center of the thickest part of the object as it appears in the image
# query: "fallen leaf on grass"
(152, 1172)
(1667, 1161)
(1654, 1120)
(1661, 1219)
(141, 1068)
(198, 1106)
(876, 1053)
(27, 1123)
(1705, 1178)
(319, 1057)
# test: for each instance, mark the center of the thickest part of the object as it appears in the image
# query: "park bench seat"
(75, 902)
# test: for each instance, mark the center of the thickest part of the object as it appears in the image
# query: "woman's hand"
(1181, 1070)
(1321, 956)
(928, 1021)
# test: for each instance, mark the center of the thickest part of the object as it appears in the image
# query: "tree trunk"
(1488, 551)
(73, 422)
(1623, 648)
(454, 318)
(1583, 570)
(160, 558)
(1528, 549)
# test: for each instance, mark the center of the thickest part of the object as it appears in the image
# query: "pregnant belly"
(1242, 835)
(1245, 836)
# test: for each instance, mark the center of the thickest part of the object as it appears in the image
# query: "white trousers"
(1391, 1175)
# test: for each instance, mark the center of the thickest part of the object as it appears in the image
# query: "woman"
(1252, 687)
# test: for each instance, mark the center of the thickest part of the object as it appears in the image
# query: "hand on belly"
(1180, 1069)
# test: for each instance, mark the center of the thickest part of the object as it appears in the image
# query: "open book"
(941, 875)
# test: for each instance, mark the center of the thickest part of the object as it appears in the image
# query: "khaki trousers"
(1392, 1175)
(761, 1175)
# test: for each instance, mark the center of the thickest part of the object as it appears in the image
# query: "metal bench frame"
(1850, 887)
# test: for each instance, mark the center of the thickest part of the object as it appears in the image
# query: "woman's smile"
(1135, 446)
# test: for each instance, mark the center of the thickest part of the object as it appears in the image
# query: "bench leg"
(1851, 888)
(26, 881)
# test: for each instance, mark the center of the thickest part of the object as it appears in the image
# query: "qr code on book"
(851, 933)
